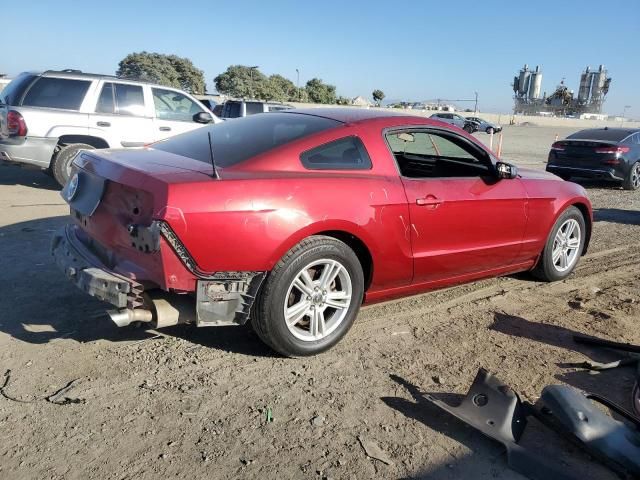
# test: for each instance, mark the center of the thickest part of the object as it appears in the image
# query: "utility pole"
(475, 108)
(298, 83)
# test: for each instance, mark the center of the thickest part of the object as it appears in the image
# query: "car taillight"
(612, 150)
(16, 124)
(557, 146)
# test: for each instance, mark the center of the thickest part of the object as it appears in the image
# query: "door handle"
(429, 201)
(103, 124)
(165, 129)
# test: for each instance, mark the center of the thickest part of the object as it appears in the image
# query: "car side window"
(436, 155)
(106, 103)
(254, 107)
(343, 154)
(129, 99)
(174, 106)
(50, 92)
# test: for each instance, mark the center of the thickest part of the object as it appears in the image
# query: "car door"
(463, 219)
(174, 112)
(121, 116)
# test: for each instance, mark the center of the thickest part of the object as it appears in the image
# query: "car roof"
(606, 133)
(76, 74)
(351, 115)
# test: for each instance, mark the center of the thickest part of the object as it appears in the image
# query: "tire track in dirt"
(607, 265)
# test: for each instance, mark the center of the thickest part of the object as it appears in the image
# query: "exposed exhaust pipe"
(166, 310)
(126, 316)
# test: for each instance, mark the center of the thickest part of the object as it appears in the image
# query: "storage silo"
(597, 84)
(585, 86)
(535, 84)
(523, 81)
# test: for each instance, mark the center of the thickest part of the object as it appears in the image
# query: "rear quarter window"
(50, 92)
(343, 154)
(235, 141)
(12, 93)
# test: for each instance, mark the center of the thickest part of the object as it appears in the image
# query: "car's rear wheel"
(310, 299)
(632, 180)
(468, 128)
(563, 248)
(61, 161)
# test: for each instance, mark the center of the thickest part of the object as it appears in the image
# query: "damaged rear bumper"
(222, 298)
(87, 273)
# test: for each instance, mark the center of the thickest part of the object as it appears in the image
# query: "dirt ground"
(195, 403)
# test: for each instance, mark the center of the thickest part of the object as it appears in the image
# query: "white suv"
(46, 118)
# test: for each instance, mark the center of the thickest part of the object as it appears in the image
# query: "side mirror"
(202, 117)
(506, 170)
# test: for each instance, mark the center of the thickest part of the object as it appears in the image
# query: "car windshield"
(235, 141)
(608, 134)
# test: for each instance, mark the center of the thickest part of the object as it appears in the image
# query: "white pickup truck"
(46, 118)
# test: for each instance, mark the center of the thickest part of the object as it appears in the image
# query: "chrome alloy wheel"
(635, 176)
(318, 300)
(565, 246)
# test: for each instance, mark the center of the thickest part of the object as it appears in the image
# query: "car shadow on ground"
(615, 384)
(617, 215)
(11, 174)
(43, 306)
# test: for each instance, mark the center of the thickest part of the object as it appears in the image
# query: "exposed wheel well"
(587, 222)
(360, 249)
(96, 142)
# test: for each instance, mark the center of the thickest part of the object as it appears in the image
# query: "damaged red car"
(291, 220)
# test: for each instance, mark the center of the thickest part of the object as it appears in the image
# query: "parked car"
(606, 153)
(47, 118)
(293, 219)
(459, 121)
(242, 108)
(485, 126)
(208, 101)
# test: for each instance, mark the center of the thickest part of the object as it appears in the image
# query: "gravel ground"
(197, 403)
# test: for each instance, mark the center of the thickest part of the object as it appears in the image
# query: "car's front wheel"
(490, 130)
(310, 299)
(563, 248)
(632, 181)
(61, 162)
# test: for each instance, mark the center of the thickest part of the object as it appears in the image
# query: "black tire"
(546, 270)
(61, 161)
(632, 180)
(490, 130)
(268, 317)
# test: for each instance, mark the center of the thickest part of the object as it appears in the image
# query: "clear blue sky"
(410, 49)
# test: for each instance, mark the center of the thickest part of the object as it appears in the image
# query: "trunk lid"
(580, 152)
(114, 193)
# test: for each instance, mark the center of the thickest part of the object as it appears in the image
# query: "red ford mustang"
(293, 219)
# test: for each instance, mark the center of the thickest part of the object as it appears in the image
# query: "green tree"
(169, 70)
(378, 96)
(278, 88)
(301, 95)
(343, 100)
(242, 81)
(320, 92)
